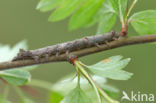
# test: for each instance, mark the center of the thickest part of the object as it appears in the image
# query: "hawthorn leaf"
(111, 68)
(65, 85)
(47, 5)
(7, 53)
(76, 96)
(55, 97)
(119, 6)
(144, 22)
(66, 8)
(26, 100)
(106, 17)
(84, 14)
(16, 77)
(115, 5)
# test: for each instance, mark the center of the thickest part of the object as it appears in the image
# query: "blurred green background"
(20, 20)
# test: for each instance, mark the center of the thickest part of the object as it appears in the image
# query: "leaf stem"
(78, 76)
(87, 76)
(131, 7)
(95, 86)
(121, 15)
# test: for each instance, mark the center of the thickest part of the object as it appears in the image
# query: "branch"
(81, 52)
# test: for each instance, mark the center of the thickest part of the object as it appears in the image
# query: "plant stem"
(93, 83)
(121, 15)
(41, 84)
(131, 7)
(78, 76)
(86, 75)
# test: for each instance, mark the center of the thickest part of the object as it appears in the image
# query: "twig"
(82, 52)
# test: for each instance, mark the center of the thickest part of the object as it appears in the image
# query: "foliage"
(144, 22)
(102, 12)
(111, 68)
(90, 83)
(76, 96)
(15, 77)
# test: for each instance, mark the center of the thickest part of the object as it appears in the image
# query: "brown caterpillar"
(67, 47)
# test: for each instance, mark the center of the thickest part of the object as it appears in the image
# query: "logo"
(138, 96)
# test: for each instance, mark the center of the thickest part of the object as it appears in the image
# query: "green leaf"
(115, 5)
(55, 97)
(65, 85)
(106, 17)
(144, 22)
(76, 96)
(26, 100)
(120, 8)
(84, 14)
(7, 53)
(66, 8)
(46, 5)
(15, 77)
(111, 68)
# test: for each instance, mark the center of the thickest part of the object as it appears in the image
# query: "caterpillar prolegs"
(67, 47)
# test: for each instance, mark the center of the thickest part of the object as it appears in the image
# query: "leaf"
(26, 100)
(67, 84)
(76, 96)
(119, 6)
(115, 5)
(55, 97)
(15, 77)
(46, 5)
(111, 68)
(84, 14)
(66, 8)
(144, 22)
(106, 17)
(7, 53)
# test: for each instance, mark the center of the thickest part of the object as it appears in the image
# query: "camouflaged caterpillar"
(67, 47)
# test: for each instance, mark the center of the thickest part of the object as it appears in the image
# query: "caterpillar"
(67, 47)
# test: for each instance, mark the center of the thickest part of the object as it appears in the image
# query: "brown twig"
(82, 52)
